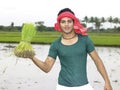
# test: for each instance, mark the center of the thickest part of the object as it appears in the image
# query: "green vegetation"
(99, 38)
(10, 37)
(24, 48)
(97, 30)
(40, 37)
(105, 39)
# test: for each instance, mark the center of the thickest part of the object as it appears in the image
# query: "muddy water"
(22, 74)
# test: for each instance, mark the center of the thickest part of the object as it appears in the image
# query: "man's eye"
(62, 21)
(69, 21)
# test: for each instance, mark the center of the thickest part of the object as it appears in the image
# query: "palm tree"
(86, 20)
(103, 20)
(116, 20)
(110, 20)
(97, 24)
(12, 24)
(92, 20)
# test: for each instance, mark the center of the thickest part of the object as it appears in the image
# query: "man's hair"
(65, 10)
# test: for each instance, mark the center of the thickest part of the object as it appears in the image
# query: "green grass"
(46, 37)
(105, 39)
(10, 36)
(40, 37)
(99, 39)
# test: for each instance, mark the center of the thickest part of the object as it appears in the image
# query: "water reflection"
(17, 73)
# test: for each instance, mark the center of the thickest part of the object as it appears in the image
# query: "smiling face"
(66, 25)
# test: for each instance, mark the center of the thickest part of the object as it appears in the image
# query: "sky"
(22, 11)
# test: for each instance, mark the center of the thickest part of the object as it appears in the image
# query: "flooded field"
(22, 74)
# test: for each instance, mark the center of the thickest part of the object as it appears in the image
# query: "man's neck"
(69, 36)
(69, 39)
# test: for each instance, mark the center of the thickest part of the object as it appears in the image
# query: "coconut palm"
(97, 24)
(86, 20)
(92, 20)
(116, 21)
(103, 20)
(110, 20)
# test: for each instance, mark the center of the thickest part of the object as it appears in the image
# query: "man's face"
(66, 25)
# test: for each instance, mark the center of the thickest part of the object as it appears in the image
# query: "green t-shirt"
(73, 60)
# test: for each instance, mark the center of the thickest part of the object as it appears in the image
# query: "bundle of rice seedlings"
(24, 48)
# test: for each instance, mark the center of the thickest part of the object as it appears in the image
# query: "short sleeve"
(90, 45)
(53, 51)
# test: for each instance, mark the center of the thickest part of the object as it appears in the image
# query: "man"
(72, 49)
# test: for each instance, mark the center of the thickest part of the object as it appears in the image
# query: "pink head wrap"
(79, 29)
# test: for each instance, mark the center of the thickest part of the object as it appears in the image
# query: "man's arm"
(46, 65)
(101, 68)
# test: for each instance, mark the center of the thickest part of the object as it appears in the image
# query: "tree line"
(98, 24)
(92, 23)
(39, 26)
